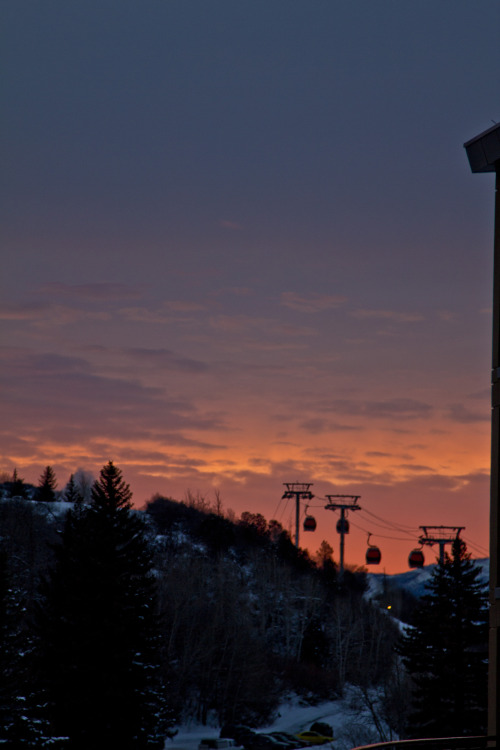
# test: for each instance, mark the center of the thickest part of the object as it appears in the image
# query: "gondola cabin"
(373, 556)
(416, 558)
(309, 523)
(342, 526)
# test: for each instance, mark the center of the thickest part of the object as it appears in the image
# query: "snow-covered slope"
(415, 580)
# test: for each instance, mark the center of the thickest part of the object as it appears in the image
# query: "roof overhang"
(483, 151)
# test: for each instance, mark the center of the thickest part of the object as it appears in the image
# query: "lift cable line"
(373, 556)
(409, 534)
(297, 490)
(399, 527)
(380, 536)
(275, 515)
(344, 503)
(313, 505)
(477, 547)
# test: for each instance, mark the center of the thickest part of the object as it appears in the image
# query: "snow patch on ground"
(350, 719)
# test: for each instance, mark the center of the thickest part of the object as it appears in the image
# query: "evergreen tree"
(47, 485)
(17, 487)
(98, 667)
(445, 651)
(71, 492)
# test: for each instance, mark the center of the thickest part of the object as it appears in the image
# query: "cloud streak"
(390, 315)
(101, 292)
(313, 303)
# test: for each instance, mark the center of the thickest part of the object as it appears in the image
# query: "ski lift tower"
(297, 490)
(343, 503)
(441, 535)
(483, 153)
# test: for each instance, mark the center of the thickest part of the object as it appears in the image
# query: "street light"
(483, 153)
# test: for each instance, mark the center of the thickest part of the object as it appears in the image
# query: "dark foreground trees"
(446, 651)
(98, 662)
(245, 619)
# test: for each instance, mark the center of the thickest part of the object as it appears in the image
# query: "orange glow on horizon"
(432, 477)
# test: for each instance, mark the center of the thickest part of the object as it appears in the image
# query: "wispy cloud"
(313, 303)
(177, 305)
(48, 314)
(227, 224)
(266, 328)
(165, 359)
(416, 468)
(27, 311)
(237, 291)
(460, 413)
(318, 425)
(394, 408)
(145, 315)
(167, 312)
(393, 315)
(55, 398)
(93, 291)
(448, 316)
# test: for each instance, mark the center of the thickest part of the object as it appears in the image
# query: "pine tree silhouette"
(71, 492)
(99, 638)
(446, 651)
(17, 487)
(47, 485)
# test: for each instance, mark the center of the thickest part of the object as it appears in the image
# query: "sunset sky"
(242, 246)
